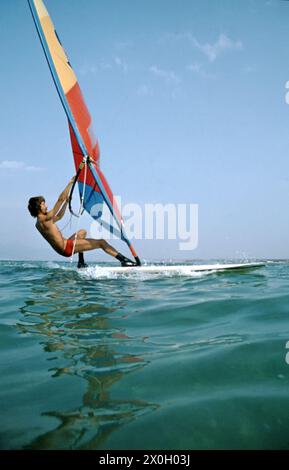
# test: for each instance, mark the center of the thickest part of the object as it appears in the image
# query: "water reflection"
(75, 321)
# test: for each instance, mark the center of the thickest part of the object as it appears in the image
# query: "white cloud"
(11, 164)
(144, 90)
(167, 75)
(213, 51)
(105, 65)
(199, 70)
(33, 168)
(92, 69)
(124, 45)
(17, 165)
(87, 69)
(249, 69)
(120, 63)
(194, 68)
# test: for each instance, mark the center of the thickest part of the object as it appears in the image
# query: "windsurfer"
(77, 243)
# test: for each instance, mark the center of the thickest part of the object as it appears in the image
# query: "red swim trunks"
(69, 248)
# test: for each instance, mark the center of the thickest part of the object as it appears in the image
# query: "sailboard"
(94, 189)
(178, 269)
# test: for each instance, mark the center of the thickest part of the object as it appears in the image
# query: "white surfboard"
(179, 269)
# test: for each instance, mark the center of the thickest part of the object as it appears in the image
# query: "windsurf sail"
(93, 188)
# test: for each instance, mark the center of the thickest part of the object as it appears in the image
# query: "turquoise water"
(143, 362)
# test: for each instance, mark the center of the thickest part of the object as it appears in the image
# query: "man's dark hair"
(34, 205)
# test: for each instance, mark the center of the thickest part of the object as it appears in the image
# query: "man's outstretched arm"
(63, 197)
(61, 212)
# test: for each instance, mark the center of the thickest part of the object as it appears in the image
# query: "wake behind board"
(180, 269)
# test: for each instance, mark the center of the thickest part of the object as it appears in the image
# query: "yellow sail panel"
(41, 9)
(65, 73)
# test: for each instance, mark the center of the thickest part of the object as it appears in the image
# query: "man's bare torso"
(51, 233)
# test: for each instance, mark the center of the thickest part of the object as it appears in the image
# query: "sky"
(188, 103)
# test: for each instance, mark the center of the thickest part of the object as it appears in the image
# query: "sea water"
(143, 361)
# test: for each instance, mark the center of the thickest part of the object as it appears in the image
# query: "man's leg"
(88, 244)
(81, 234)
